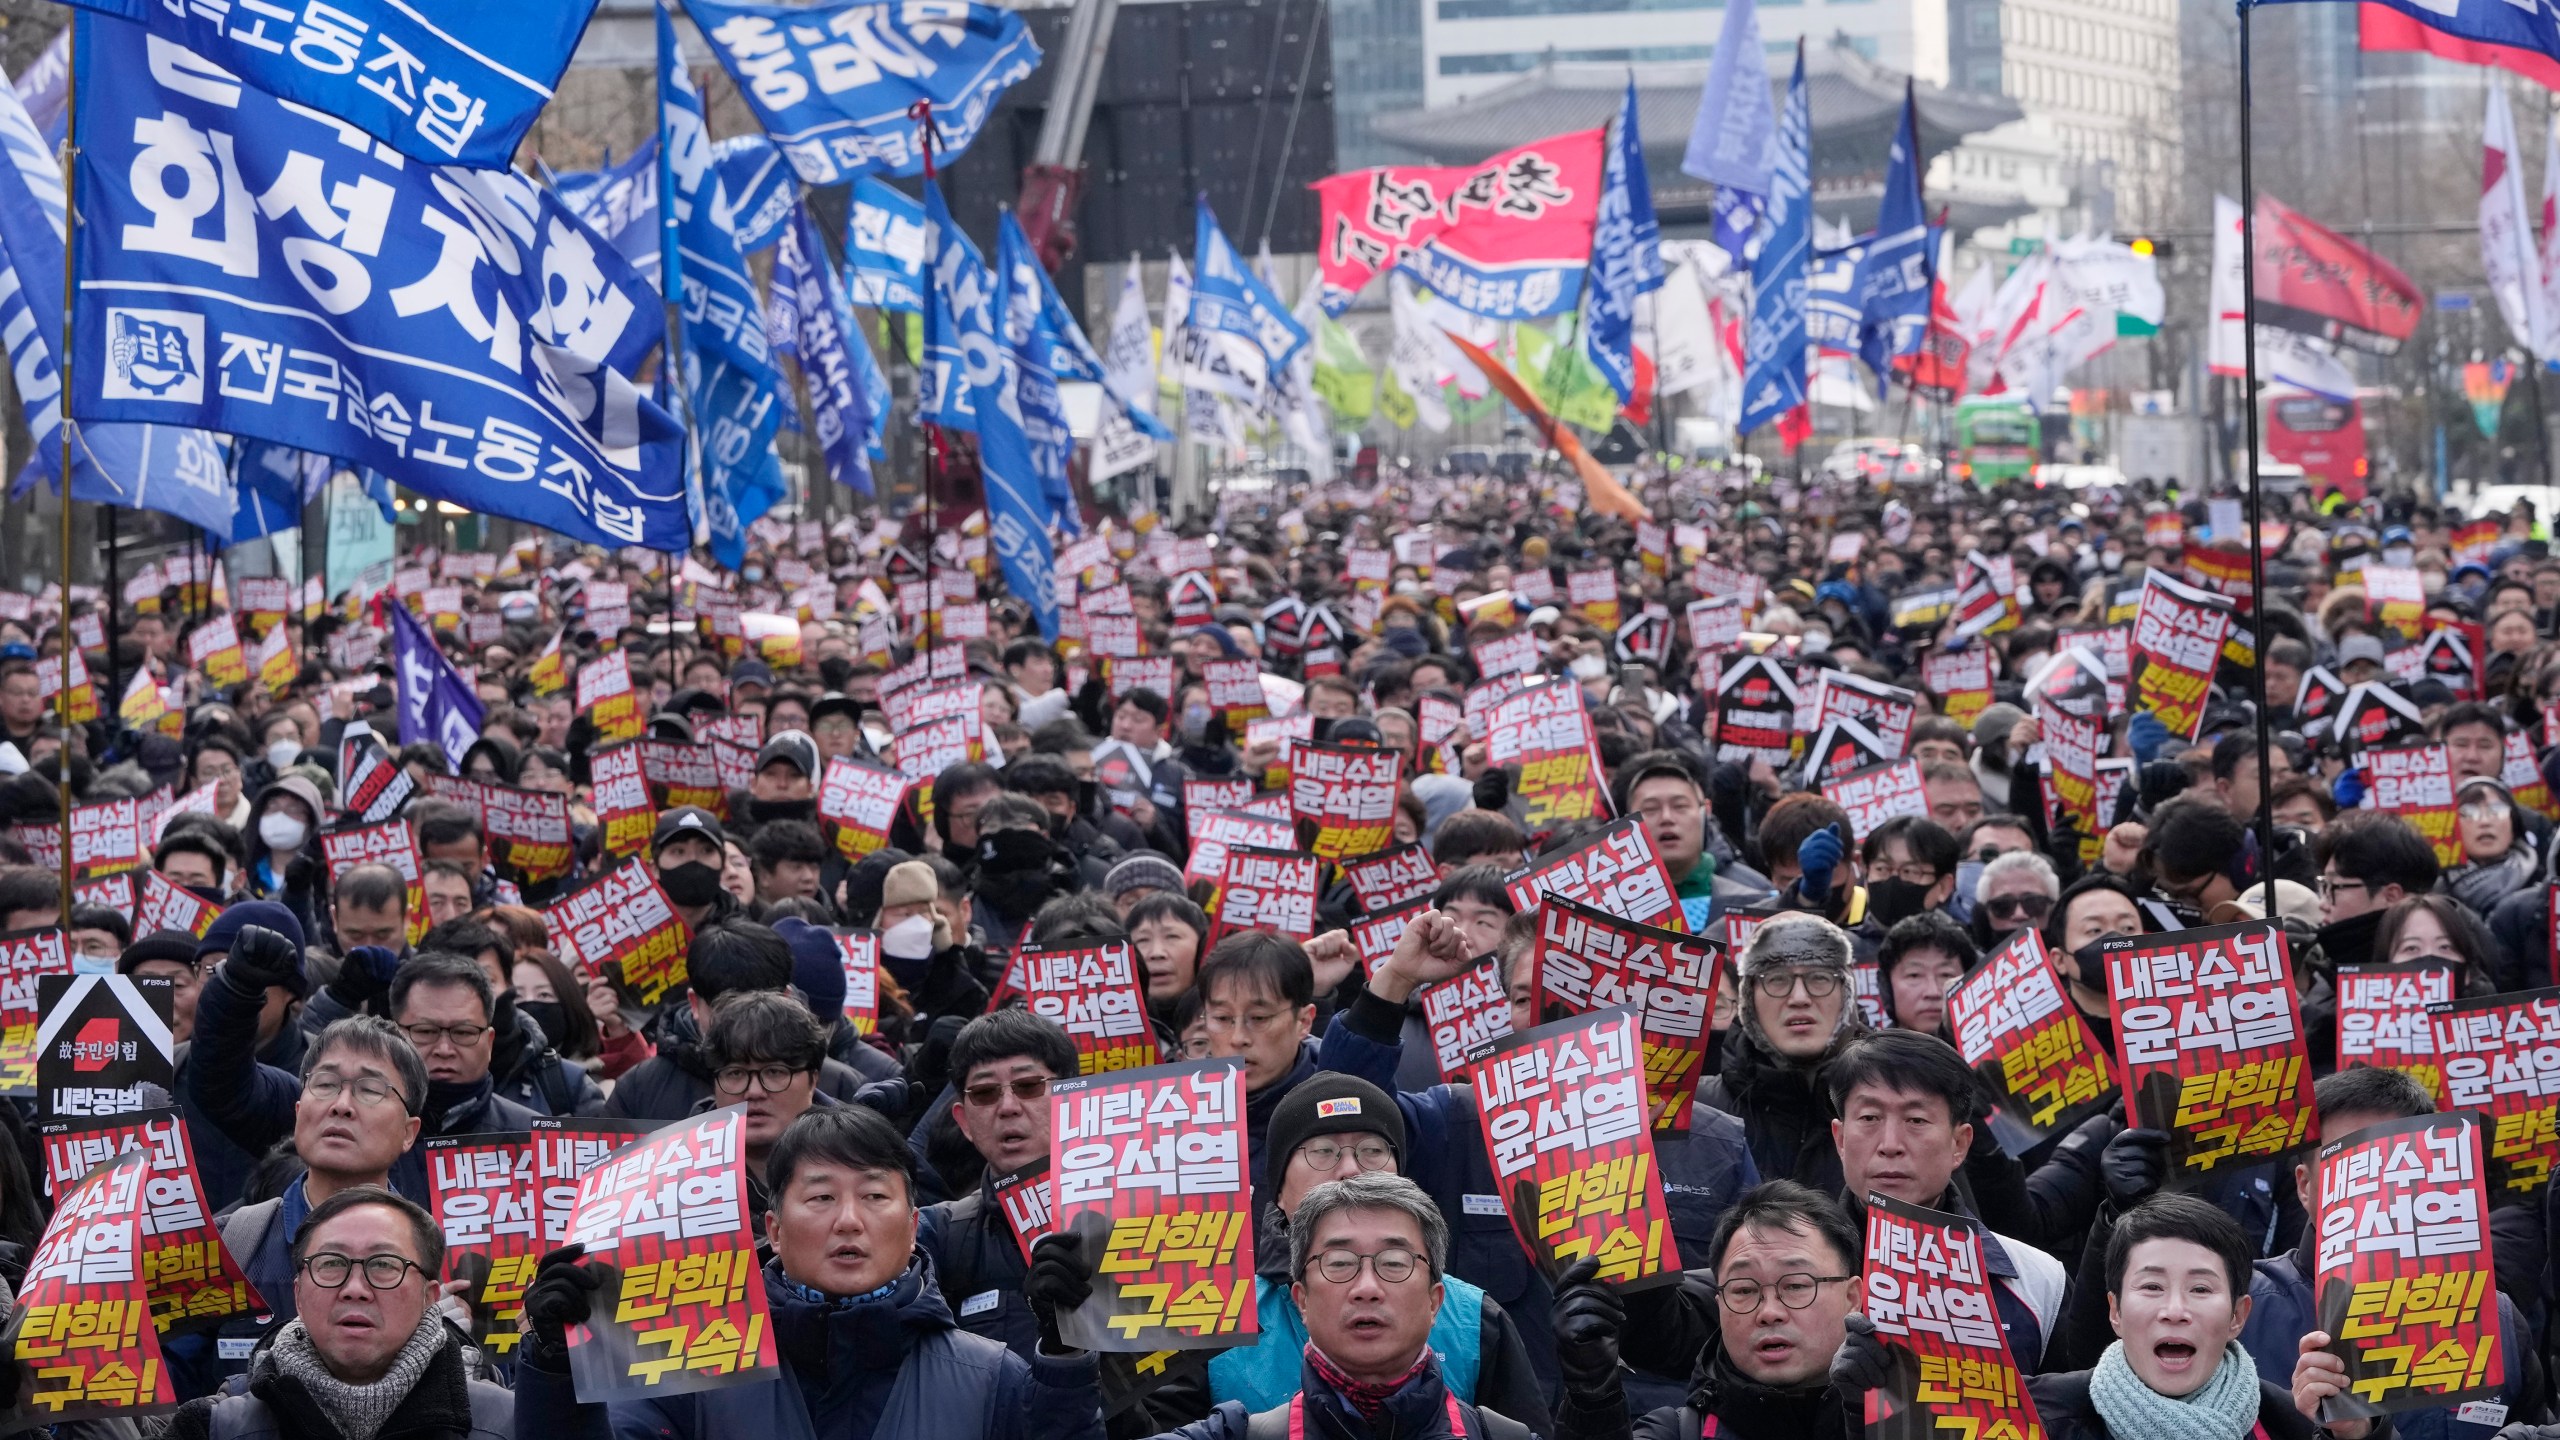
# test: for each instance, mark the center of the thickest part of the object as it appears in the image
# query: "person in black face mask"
(1019, 868)
(1910, 865)
(1048, 780)
(786, 780)
(689, 849)
(2096, 909)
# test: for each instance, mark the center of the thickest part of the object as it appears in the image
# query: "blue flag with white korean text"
(820, 343)
(177, 470)
(620, 203)
(1893, 276)
(1773, 345)
(1733, 140)
(959, 322)
(1018, 504)
(436, 704)
(457, 329)
(1626, 254)
(730, 377)
(832, 82)
(276, 481)
(1072, 355)
(460, 88)
(763, 188)
(1034, 348)
(884, 247)
(1238, 336)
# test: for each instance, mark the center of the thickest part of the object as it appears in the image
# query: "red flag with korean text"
(685, 1310)
(2500, 1056)
(621, 926)
(1590, 960)
(81, 1334)
(1615, 870)
(190, 1277)
(1929, 1294)
(2405, 1288)
(2382, 1017)
(1097, 994)
(1149, 1169)
(484, 1195)
(2209, 1042)
(1562, 1109)
(2016, 1025)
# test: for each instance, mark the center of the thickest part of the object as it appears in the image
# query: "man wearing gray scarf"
(367, 1356)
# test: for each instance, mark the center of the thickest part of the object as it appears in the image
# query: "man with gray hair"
(2014, 893)
(1366, 1256)
(1797, 1012)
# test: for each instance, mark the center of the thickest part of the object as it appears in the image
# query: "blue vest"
(1266, 1373)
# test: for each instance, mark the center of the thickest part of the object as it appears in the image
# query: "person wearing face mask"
(731, 956)
(785, 786)
(1047, 780)
(286, 867)
(689, 849)
(1019, 868)
(1910, 865)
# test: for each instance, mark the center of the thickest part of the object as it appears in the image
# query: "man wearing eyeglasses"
(1367, 1262)
(2015, 893)
(1797, 1013)
(365, 1343)
(765, 1050)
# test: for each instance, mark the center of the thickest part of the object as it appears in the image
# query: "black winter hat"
(1329, 1103)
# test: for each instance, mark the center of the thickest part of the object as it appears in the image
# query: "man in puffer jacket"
(867, 1347)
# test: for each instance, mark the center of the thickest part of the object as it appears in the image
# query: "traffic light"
(2157, 249)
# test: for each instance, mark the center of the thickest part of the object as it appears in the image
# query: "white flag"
(1128, 350)
(1414, 356)
(2105, 274)
(2015, 320)
(2547, 345)
(1302, 415)
(1685, 347)
(2506, 240)
(2224, 352)
(1177, 304)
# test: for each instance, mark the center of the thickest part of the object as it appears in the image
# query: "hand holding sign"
(2319, 1375)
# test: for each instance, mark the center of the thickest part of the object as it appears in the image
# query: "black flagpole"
(2257, 500)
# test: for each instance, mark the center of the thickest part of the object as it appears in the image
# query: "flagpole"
(921, 112)
(2257, 501)
(70, 308)
(671, 286)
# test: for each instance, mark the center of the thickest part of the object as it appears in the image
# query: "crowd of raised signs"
(1891, 843)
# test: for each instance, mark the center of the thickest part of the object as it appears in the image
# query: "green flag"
(1343, 378)
(1393, 403)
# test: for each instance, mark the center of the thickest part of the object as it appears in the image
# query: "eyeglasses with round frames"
(426, 1036)
(329, 1270)
(1341, 1267)
(1795, 1291)
(1816, 983)
(733, 1079)
(326, 1086)
(1371, 1155)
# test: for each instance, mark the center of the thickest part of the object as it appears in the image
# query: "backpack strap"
(247, 1228)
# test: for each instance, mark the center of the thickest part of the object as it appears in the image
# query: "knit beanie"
(817, 966)
(176, 945)
(1145, 871)
(1329, 1103)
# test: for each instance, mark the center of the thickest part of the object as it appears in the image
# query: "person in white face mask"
(284, 823)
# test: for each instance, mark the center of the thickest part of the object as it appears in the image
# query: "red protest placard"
(2522, 773)
(1024, 1194)
(859, 950)
(2500, 1055)
(1961, 679)
(1235, 690)
(2015, 1025)
(1885, 709)
(390, 843)
(1615, 870)
(1591, 960)
(214, 648)
(1389, 879)
(621, 926)
(622, 803)
(1214, 832)
(163, 906)
(106, 839)
(2071, 747)
(1374, 936)
(564, 1150)
(681, 775)
(81, 1332)
(1546, 731)
(26, 956)
(1929, 1295)
(1465, 1013)
(1150, 1171)
(2415, 782)
(1877, 794)
(529, 832)
(2405, 1282)
(116, 892)
(482, 1191)
(2382, 1017)
(605, 697)
(934, 746)
(1265, 890)
(2209, 1040)
(669, 1215)
(1349, 791)
(1098, 996)
(859, 801)
(1594, 592)
(1715, 623)
(1218, 794)
(745, 731)
(187, 1274)
(2178, 632)
(1563, 1113)
(1508, 655)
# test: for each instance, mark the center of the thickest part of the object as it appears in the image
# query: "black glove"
(260, 958)
(1060, 1281)
(302, 876)
(1863, 1363)
(1493, 788)
(363, 981)
(562, 1295)
(1587, 1319)
(2135, 1165)
(890, 1097)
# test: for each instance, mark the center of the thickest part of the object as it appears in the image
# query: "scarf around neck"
(2225, 1409)
(1367, 1397)
(360, 1411)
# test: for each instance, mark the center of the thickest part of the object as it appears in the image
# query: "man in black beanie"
(1332, 1127)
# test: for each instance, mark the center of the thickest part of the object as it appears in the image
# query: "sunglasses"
(2033, 907)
